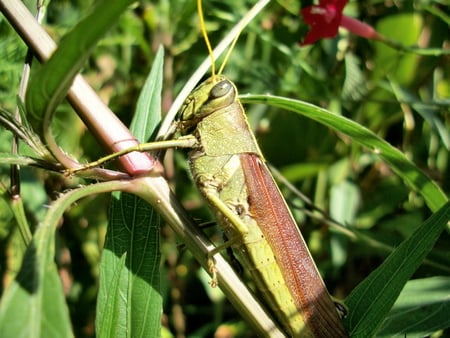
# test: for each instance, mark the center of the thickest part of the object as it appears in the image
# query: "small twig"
(14, 168)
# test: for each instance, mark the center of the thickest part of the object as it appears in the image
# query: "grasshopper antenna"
(203, 68)
(205, 36)
(227, 56)
(208, 43)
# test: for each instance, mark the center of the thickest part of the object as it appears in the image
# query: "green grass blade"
(48, 87)
(370, 302)
(413, 176)
(129, 301)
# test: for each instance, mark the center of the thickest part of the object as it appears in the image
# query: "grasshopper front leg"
(186, 141)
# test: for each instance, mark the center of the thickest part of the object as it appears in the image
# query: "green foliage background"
(403, 98)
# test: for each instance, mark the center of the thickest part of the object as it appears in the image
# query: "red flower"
(326, 18)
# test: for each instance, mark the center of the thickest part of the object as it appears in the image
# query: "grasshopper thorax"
(213, 94)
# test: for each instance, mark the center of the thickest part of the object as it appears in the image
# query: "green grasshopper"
(229, 170)
(234, 179)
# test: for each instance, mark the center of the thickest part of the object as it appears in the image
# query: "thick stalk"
(100, 120)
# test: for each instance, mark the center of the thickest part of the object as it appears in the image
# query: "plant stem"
(100, 120)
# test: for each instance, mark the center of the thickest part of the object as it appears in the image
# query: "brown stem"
(100, 120)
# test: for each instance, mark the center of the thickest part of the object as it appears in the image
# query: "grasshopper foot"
(212, 269)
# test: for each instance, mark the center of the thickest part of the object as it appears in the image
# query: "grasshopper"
(229, 170)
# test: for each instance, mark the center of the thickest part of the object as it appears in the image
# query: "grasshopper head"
(211, 95)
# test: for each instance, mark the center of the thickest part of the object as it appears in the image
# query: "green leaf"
(354, 86)
(421, 309)
(148, 107)
(344, 201)
(399, 65)
(370, 302)
(36, 295)
(111, 302)
(48, 87)
(129, 301)
(411, 174)
(22, 130)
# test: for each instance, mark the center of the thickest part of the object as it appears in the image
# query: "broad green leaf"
(298, 171)
(48, 87)
(412, 175)
(6, 214)
(399, 65)
(112, 301)
(15, 230)
(421, 309)
(34, 304)
(36, 295)
(129, 301)
(370, 302)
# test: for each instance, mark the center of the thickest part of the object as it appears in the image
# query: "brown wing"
(299, 270)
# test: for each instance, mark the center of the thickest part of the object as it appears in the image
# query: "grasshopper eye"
(221, 89)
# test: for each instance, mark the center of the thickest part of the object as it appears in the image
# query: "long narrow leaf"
(413, 176)
(48, 87)
(421, 309)
(370, 302)
(148, 107)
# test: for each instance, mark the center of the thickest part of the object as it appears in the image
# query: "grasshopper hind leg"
(233, 237)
